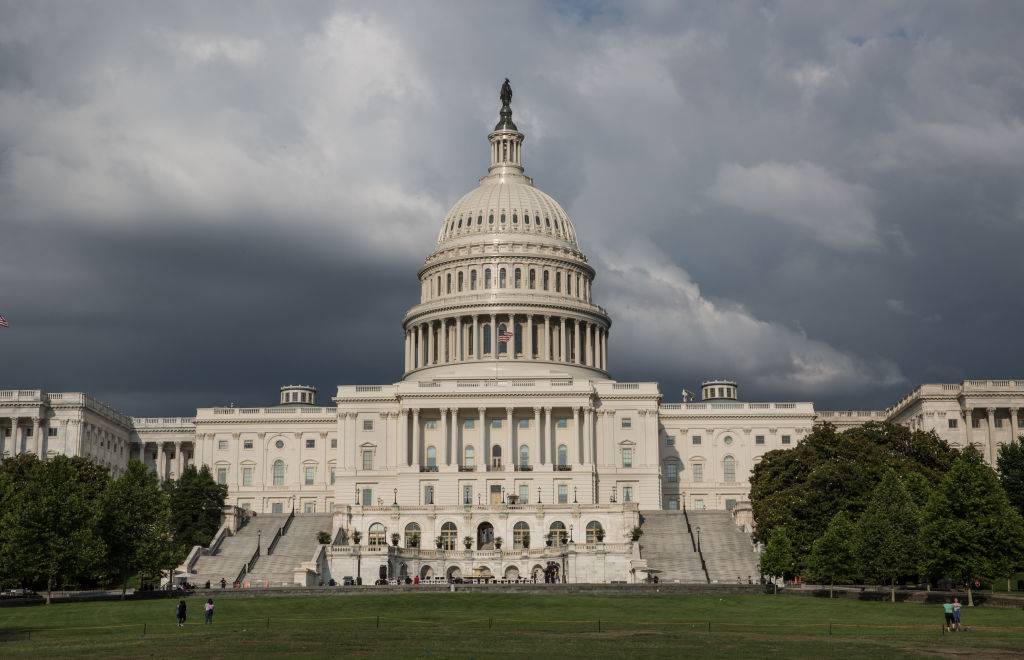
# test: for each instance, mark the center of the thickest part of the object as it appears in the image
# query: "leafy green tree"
(970, 529)
(135, 522)
(1010, 462)
(51, 525)
(887, 533)
(833, 556)
(779, 556)
(827, 472)
(197, 504)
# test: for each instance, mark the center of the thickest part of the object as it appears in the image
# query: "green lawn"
(489, 625)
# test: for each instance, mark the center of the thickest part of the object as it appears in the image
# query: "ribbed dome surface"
(509, 204)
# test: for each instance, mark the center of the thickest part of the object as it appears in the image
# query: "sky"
(201, 202)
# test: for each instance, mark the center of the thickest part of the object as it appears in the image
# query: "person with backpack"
(181, 612)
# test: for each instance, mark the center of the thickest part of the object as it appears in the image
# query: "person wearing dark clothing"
(223, 583)
(181, 612)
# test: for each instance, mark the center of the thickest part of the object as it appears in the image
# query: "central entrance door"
(485, 536)
(495, 494)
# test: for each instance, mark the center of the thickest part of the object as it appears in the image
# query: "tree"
(51, 523)
(1010, 462)
(970, 529)
(833, 555)
(197, 505)
(779, 556)
(827, 472)
(887, 533)
(134, 520)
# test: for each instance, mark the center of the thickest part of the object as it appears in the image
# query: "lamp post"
(502, 494)
(396, 498)
(570, 533)
(574, 501)
(538, 494)
(698, 538)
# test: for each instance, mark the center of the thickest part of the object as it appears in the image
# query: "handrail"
(273, 543)
(288, 522)
(252, 560)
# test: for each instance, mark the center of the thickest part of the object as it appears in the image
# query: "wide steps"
(293, 549)
(728, 551)
(236, 550)
(667, 548)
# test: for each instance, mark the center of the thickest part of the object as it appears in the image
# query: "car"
(18, 593)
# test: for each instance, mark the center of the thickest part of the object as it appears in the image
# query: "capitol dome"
(507, 290)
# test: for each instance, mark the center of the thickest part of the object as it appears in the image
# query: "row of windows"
(558, 226)
(278, 474)
(672, 468)
(248, 443)
(470, 282)
(297, 397)
(697, 440)
(448, 539)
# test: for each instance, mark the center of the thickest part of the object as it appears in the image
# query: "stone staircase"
(293, 549)
(727, 550)
(236, 550)
(667, 548)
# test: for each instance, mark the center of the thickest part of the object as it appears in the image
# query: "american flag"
(3, 322)
(505, 337)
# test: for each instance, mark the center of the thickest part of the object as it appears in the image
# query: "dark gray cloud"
(201, 202)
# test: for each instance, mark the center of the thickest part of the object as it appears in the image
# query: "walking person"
(208, 610)
(956, 614)
(947, 613)
(181, 612)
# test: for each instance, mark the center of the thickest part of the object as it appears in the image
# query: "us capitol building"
(506, 449)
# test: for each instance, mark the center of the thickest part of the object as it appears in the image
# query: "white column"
(444, 341)
(549, 427)
(485, 451)
(968, 425)
(403, 436)
(417, 452)
(459, 353)
(576, 425)
(15, 440)
(177, 459)
(421, 354)
(540, 437)
(430, 344)
(162, 457)
(528, 339)
(547, 337)
(563, 339)
(590, 345)
(991, 436)
(37, 436)
(508, 452)
(1013, 424)
(588, 435)
(476, 337)
(494, 336)
(576, 341)
(445, 446)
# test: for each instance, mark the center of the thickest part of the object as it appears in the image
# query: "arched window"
(460, 223)
(563, 455)
(470, 457)
(558, 534)
(459, 284)
(279, 472)
(594, 532)
(486, 331)
(519, 277)
(449, 282)
(502, 218)
(729, 469)
(472, 280)
(568, 284)
(375, 538)
(515, 219)
(501, 278)
(521, 535)
(524, 455)
(438, 285)
(547, 222)
(536, 220)
(431, 456)
(487, 278)
(526, 218)
(518, 339)
(502, 345)
(558, 282)
(490, 219)
(449, 536)
(547, 279)
(480, 219)
(412, 535)
(533, 279)
(577, 286)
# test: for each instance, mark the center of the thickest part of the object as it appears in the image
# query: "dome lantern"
(506, 140)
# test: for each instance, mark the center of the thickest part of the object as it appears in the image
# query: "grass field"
(475, 625)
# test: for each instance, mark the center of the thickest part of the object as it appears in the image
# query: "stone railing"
(704, 406)
(326, 413)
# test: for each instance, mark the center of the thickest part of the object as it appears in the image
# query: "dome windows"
(502, 218)
(487, 278)
(480, 219)
(533, 279)
(519, 276)
(490, 219)
(547, 222)
(515, 219)
(460, 223)
(501, 278)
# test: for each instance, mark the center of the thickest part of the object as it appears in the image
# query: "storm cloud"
(202, 202)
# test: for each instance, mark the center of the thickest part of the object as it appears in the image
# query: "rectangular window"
(52, 432)
(310, 443)
(563, 494)
(467, 495)
(367, 459)
(524, 493)
(222, 475)
(698, 504)
(758, 439)
(1020, 422)
(367, 496)
(367, 424)
(627, 493)
(562, 423)
(952, 423)
(672, 471)
(222, 444)
(730, 505)
(495, 423)
(430, 424)
(468, 424)
(698, 472)
(524, 423)
(670, 440)
(428, 495)
(627, 423)
(785, 439)
(999, 422)
(672, 504)
(334, 443)
(627, 458)
(310, 473)
(309, 507)
(696, 439)
(332, 476)
(247, 476)
(247, 443)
